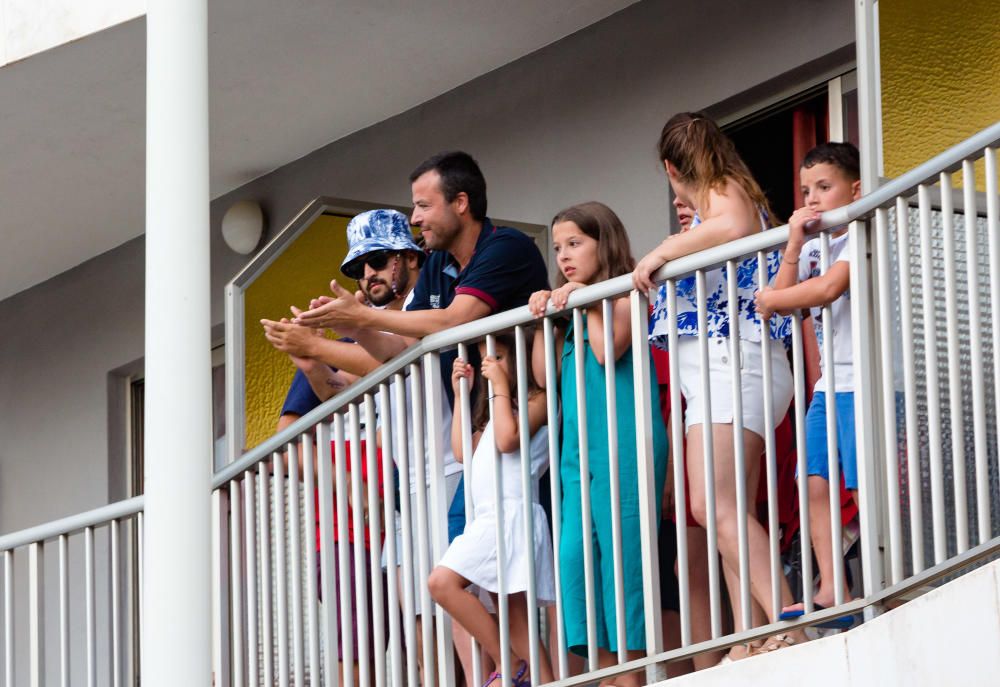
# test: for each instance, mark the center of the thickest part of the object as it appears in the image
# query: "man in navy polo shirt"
(475, 269)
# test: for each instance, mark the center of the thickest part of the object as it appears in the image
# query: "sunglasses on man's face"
(377, 260)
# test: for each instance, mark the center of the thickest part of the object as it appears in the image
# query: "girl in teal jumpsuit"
(591, 245)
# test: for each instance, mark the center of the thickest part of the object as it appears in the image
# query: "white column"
(869, 92)
(176, 599)
(863, 303)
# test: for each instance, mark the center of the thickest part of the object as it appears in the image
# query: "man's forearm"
(349, 357)
(414, 324)
(381, 346)
(324, 381)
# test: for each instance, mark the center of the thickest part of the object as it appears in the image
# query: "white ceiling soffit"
(285, 79)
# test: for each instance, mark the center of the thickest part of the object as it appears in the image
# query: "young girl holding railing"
(591, 246)
(472, 557)
(707, 173)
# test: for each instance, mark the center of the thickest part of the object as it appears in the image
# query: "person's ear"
(856, 189)
(460, 203)
(671, 170)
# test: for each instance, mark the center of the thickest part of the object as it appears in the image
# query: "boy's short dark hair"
(459, 173)
(842, 155)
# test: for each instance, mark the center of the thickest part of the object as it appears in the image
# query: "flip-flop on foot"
(841, 623)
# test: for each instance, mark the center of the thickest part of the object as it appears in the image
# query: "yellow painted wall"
(302, 272)
(940, 65)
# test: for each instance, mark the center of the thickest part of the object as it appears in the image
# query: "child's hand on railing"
(538, 302)
(496, 372)
(460, 369)
(761, 303)
(561, 295)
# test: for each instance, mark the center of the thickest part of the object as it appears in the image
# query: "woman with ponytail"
(706, 173)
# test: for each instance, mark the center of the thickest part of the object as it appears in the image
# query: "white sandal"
(779, 641)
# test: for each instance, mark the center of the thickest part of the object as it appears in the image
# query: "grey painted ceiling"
(286, 78)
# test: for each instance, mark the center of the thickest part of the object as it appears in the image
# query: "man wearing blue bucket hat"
(378, 239)
(385, 261)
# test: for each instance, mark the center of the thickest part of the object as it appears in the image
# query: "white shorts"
(721, 382)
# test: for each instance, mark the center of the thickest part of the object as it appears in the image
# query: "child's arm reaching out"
(538, 302)
(732, 216)
(459, 370)
(506, 430)
(812, 293)
(788, 273)
(621, 328)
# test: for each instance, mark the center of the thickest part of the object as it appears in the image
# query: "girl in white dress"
(472, 557)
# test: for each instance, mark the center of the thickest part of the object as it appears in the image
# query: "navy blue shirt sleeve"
(505, 271)
(300, 398)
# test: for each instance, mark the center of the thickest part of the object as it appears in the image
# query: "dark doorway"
(772, 143)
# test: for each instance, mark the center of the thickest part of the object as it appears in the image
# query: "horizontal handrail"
(72, 523)
(611, 288)
(906, 184)
(770, 239)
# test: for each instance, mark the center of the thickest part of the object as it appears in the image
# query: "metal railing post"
(649, 514)
(36, 614)
(220, 587)
(866, 383)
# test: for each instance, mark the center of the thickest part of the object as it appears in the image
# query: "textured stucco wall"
(940, 64)
(302, 272)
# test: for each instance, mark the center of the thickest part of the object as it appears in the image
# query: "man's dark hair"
(842, 155)
(459, 173)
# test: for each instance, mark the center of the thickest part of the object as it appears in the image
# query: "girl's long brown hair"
(599, 222)
(481, 407)
(706, 159)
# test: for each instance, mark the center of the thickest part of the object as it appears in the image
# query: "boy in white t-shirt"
(830, 179)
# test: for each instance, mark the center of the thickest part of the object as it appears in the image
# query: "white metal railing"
(929, 493)
(109, 566)
(884, 258)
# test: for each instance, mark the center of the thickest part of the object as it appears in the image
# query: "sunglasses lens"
(377, 261)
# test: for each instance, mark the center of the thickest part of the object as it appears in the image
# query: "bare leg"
(553, 650)
(671, 620)
(732, 575)
(463, 647)
(672, 640)
(520, 641)
(418, 635)
(757, 615)
(634, 679)
(726, 511)
(822, 542)
(448, 588)
(701, 624)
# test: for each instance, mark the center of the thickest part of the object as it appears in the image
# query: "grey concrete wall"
(577, 120)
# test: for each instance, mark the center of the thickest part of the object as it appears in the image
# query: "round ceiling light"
(242, 226)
